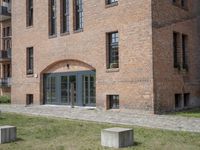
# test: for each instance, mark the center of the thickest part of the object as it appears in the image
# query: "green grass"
(5, 99)
(40, 133)
(195, 113)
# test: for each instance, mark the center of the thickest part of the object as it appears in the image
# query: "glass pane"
(72, 80)
(64, 89)
(92, 90)
(48, 90)
(53, 89)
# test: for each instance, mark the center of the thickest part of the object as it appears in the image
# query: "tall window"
(184, 52)
(29, 60)
(175, 45)
(52, 17)
(113, 52)
(78, 14)
(64, 15)
(29, 12)
(180, 44)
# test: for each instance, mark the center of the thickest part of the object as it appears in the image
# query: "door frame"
(79, 86)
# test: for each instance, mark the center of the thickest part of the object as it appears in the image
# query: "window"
(29, 99)
(186, 99)
(184, 3)
(113, 53)
(178, 100)
(4, 71)
(181, 3)
(29, 13)
(184, 52)
(52, 17)
(180, 46)
(111, 1)
(30, 61)
(78, 14)
(6, 31)
(64, 15)
(175, 45)
(8, 71)
(175, 2)
(113, 101)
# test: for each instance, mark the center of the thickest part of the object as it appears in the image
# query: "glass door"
(67, 83)
(50, 90)
(64, 90)
(89, 90)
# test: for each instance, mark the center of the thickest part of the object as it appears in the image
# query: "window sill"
(29, 27)
(78, 31)
(52, 36)
(112, 5)
(181, 71)
(30, 75)
(183, 8)
(64, 33)
(112, 70)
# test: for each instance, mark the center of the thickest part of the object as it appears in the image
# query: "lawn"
(195, 113)
(40, 133)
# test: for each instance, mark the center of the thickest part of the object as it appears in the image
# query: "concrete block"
(117, 137)
(7, 134)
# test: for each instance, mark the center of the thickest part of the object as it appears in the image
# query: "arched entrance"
(69, 81)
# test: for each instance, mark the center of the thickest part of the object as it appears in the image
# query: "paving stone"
(176, 123)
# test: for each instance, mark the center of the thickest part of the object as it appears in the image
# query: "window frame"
(29, 13)
(78, 15)
(178, 101)
(111, 2)
(112, 48)
(52, 15)
(64, 16)
(30, 61)
(29, 99)
(113, 101)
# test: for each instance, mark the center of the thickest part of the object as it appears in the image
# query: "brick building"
(113, 54)
(5, 47)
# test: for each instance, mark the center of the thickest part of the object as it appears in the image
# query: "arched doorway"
(69, 81)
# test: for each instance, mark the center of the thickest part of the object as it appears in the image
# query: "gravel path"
(176, 123)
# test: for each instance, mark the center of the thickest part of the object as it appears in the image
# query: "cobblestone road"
(176, 123)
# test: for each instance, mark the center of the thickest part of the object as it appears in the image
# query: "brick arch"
(67, 65)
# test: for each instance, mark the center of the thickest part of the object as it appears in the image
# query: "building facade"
(113, 54)
(6, 46)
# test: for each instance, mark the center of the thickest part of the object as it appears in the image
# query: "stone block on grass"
(117, 137)
(7, 134)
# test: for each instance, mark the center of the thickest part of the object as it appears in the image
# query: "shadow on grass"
(19, 140)
(136, 143)
(193, 112)
(2, 118)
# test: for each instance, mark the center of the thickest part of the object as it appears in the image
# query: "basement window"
(178, 99)
(186, 99)
(29, 99)
(108, 2)
(113, 101)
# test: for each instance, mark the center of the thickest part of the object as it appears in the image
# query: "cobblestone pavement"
(176, 123)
